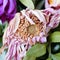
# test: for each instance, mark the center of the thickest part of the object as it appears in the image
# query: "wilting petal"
(12, 9)
(1, 10)
(7, 9)
(5, 2)
(21, 36)
(12, 6)
(43, 39)
(1, 1)
(1, 7)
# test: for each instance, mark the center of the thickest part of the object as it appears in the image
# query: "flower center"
(33, 30)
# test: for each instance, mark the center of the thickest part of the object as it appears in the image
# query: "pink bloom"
(27, 31)
(55, 4)
(52, 18)
(18, 44)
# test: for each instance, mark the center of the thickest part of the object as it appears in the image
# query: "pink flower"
(52, 4)
(20, 39)
(7, 9)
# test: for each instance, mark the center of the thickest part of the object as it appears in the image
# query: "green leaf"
(5, 25)
(0, 42)
(49, 59)
(0, 28)
(40, 4)
(55, 37)
(36, 51)
(56, 56)
(28, 3)
(30, 58)
(34, 1)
